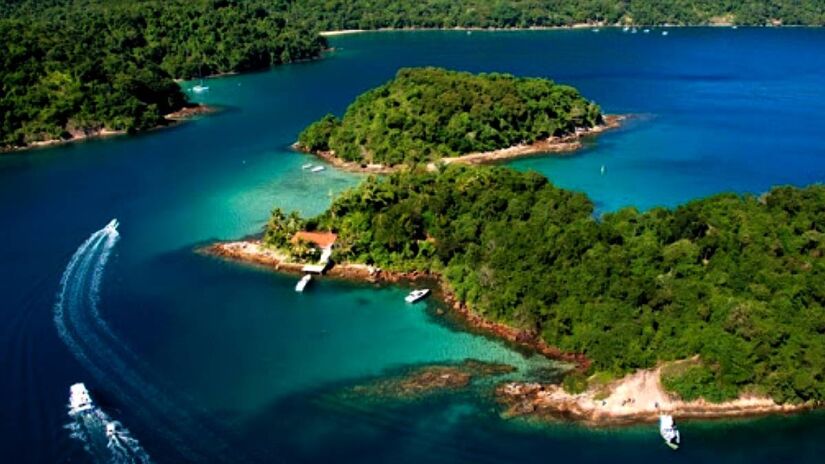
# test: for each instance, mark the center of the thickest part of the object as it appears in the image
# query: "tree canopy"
(424, 114)
(737, 280)
(86, 65)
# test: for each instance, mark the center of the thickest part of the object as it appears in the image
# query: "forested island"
(426, 114)
(729, 286)
(75, 68)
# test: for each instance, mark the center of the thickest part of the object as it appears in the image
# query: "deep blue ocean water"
(212, 361)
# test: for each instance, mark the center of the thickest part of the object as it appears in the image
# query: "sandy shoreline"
(592, 25)
(172, 119)
(636, 398)
(552, 145)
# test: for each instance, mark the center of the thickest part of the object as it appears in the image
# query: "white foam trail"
(91, 341)
(118, 447)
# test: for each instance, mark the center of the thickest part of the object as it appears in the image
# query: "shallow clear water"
(220, 362)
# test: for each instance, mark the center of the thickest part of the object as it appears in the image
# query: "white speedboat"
(79, 399)
(200, 88)
(307, 166)
(417, 295)
(302, 284)
(317, 169)
(669, 432)
(625, 29)
(646, 31)
(665, 32)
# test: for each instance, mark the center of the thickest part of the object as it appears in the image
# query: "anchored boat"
(669, 432)
(302, 284)
(417, 295)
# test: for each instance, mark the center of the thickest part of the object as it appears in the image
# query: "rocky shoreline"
(552, 145)
(185, 113)
(636, 398)
(254, 252)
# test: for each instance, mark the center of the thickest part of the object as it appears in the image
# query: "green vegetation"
(425, 114)
(374, 14)
(82, 66)
(739, 281)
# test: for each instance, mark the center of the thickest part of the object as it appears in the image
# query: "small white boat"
(417, 295)
(602, 170)
(669, 432)
(665, 32)
(307, 166)
(200, 88)
(734, 27)
(317, 169)
(634, 30)
(626, 28)
(79, 399)
(596, 29)
(646, 31)
(302, 284)
(111, 430)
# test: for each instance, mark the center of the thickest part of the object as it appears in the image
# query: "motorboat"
(665, 32)
(200, 88)
(307, 166)
(317, 169)
(417, 295)
(669, 432)
(79, 399)
(302, 284)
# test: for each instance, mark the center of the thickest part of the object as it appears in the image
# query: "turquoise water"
(212, 361)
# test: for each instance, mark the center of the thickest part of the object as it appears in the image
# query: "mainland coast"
(635, 398)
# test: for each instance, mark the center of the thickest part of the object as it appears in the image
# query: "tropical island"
(719, 300)
(426, 115)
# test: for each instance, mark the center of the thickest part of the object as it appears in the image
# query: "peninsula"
(716, 305)
(425, 115)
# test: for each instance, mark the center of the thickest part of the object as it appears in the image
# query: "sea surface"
(208, 361)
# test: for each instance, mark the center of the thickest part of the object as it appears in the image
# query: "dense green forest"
(73, 67)
(374, 14)
(424, 114)
(740, 281)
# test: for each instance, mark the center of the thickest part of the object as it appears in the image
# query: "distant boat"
(602, 170)
(469, 32)
(734, 27)
(626, 28)
(634, 30)
(596, 29)
(669, 432)
(302, 284)
(200, 88)
(306, 166)
(664, 32)
(317, 169)
(646, 31)
(417, 295)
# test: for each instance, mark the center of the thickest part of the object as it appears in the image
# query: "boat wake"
(111, 363)
(105, 439)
